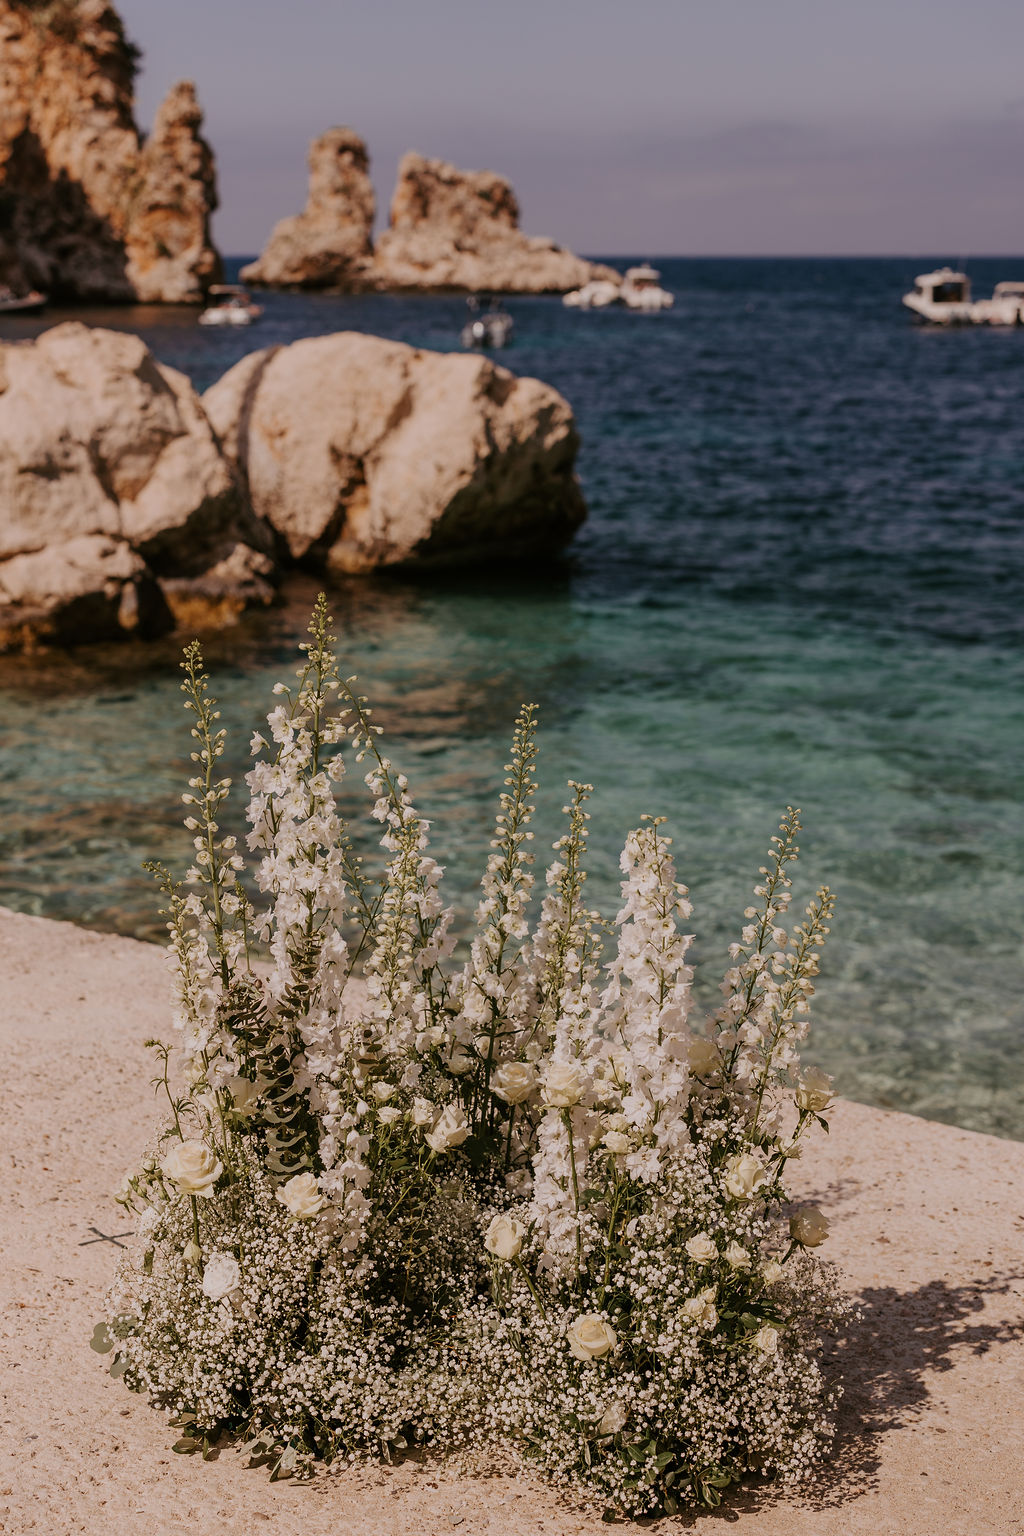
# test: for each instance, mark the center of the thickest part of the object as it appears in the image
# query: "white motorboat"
(12, 303)
(231, 305)
(596, 295)
(641, 289)
(943, 297)
(493, 328)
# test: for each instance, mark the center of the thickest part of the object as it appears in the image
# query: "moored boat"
(12, 303)
(231, 305)
(943, 297)
(493, 328)
(641, 289)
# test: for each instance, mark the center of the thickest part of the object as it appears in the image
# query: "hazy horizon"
(671, 129)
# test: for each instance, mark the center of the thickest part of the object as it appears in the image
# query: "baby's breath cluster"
(528, 1201)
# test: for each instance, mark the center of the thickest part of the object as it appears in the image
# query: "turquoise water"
(802, 582)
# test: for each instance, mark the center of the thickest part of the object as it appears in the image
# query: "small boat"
(641, 289)
(943, 297)
(493, 328)
(598, 294)
(231, 305)
(24, 304)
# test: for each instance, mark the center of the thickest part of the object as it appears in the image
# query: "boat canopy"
(1008, 291)
(644, 274)
(944, 286)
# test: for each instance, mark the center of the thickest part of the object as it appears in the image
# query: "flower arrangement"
(404, 1202)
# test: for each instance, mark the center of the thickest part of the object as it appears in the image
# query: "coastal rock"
(362, 452)
(118, 510)
(87, 209)
(330, 244)
(460, 229)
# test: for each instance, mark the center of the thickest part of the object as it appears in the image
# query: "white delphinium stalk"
(410, 935)
(563, 961)
(645, 1004)
(488, 996)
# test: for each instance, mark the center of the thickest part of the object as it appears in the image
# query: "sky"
(657, 127)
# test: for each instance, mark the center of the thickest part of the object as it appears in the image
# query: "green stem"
(567, 1119)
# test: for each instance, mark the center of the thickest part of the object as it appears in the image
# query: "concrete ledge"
(928, 1227)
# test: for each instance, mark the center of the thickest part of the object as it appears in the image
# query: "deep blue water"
(802, 581)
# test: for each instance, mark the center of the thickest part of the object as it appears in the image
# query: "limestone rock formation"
(118, 510)
(460, 229)
(87, 209)
(330, 245)
(363, 452)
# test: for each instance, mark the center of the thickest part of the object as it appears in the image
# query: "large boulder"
(88, 210)
(453, 229)
(330, 245)
(362, 452)
(118, 510)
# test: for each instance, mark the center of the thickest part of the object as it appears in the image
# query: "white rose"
(504, 1237)
(814, 1092)
(221, 1277)
(193, 1167)
(244, 1093)
(744, 1175)
(766, 1339)
(301, 1197)
(614, 1419)
(773, 1272)
(617, 1143)
(737, 1256)
(703, 1057)
(702, 1248)
(563, 1085)
(388, 1114)
(422, 1112)
(808, 1227)
(701, 1308)
(451, 1129)
(590, 1337)
(382, 1091)
(514, 1081)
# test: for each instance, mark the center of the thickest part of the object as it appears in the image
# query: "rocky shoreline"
(130, 504)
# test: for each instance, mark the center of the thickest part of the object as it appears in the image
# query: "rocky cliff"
(460, 229)
(330, 244)
(88, 210)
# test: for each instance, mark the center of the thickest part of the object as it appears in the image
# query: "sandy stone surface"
(928, 1228)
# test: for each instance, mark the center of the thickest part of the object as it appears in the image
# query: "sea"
(801, 583)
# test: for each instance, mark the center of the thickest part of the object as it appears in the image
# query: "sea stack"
(453, 229)
(330, 244)
(90, 210)
(450, 230)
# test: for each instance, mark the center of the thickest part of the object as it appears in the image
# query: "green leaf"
(118, 1366)
(186, 1446)
(101, 1341)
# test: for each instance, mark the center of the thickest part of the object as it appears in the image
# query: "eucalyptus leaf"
(101, 1340)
